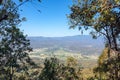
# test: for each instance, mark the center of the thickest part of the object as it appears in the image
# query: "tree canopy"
(6, 11)
(99, 16)
(54, 70)
(102, 17)
(14, 46)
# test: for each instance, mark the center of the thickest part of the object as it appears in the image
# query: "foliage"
(102, 69)
(51, 70)
(108, 68)
(103, 17)
(103, 56)
(8, 7)
(54, 70)
(14, 46)
(72, 71)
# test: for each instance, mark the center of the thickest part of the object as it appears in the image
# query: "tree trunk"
(114, 40)
(11, 72)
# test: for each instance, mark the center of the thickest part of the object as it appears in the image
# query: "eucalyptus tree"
(14, 46)
(99, 16)
(102, 17)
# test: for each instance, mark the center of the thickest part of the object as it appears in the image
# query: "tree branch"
(6, 16)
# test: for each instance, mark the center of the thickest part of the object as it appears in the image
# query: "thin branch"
(3, 18)
(6, 16)
(20, 5)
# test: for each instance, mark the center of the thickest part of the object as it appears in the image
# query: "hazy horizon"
(61, 36)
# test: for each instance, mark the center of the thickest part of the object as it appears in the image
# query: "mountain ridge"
(84, 44)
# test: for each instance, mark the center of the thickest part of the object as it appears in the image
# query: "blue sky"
(50, 22)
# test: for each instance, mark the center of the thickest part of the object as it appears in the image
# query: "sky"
(51, 21)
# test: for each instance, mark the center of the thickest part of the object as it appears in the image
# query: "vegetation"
(14, 46)
(102, 17)
(54, 70)
(107, 67)
(99, 15)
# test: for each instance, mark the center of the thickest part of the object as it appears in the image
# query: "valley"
(80, 47)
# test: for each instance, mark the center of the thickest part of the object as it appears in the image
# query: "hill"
(83, 44)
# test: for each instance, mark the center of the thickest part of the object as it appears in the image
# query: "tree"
(54, 70)
(14, 46)
(5, 12)
(108, 68)
(71, 70)
(102, 17)
(13, 52)
(102, 68)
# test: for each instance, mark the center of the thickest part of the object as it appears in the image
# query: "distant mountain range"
(83, 44)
